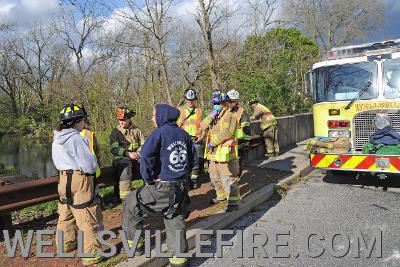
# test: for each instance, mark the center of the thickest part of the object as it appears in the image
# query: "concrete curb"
(220, 220)
(289, 180)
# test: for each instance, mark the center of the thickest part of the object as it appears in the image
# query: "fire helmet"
(253, 100)
(190, 94)
(218, 96)
(124, 113)
(233, 95)
(72, 112)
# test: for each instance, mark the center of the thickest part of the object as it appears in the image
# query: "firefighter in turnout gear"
(126, 142)
(78, 207)
(222, 151)
(268, 125)
(190, 118)
(243, 132)
(168, 156)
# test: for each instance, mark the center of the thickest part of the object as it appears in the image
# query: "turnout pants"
(84, 213)
(271, 139)
(225, 178)
(167, 199)
(128, 170)
(243, 150)
(198, 168)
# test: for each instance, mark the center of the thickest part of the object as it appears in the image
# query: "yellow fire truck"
(356, 91)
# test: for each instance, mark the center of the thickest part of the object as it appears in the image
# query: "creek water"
(30, 158)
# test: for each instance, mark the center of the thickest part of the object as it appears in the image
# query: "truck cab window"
(391, 69)
(344, 82)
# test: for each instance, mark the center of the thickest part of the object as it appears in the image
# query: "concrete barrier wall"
(304, 126)
(291, 130)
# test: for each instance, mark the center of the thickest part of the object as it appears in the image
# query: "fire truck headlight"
(381, 121)
(337, 133)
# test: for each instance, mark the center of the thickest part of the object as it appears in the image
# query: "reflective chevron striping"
(353, 162)
(356, 162)
(374, 168)
(326, 161)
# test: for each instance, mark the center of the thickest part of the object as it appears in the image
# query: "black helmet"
(72, 112)
(124, 113)
(190, 94)
(253, 100)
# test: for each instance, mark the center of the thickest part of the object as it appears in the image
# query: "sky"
(392, 29)
(25, 11)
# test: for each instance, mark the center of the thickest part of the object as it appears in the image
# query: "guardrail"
(25, 194)
(17, 196)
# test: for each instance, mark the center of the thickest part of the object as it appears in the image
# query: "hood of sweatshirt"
(166, 114)
(62, 136)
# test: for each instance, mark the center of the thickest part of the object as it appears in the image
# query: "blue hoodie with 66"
(168, 153)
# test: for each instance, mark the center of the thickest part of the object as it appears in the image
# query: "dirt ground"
(251, 180)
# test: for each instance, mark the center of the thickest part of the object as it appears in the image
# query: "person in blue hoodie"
(167, 159)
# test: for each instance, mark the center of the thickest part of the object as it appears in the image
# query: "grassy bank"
(48, 208)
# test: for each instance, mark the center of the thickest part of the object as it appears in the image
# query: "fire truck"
(356, 91)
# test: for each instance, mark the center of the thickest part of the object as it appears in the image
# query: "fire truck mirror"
(308, 84)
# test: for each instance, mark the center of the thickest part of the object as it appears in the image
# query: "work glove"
(214, 113)
(210, 146)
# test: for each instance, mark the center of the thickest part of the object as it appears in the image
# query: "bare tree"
(10, 83)
(152, 16)
(79, 28)
(34, 51)
(203, 19)
(261, 15)
(336, 22)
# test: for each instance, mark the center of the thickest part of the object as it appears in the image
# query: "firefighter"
(126, 142)
(268, 125)
(168, 156)
(78, 207)
(190, 118)
(222, 151)
(243, 131)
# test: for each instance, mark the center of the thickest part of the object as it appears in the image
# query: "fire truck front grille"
(364, 127)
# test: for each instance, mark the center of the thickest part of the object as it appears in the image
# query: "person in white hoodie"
(78, 207)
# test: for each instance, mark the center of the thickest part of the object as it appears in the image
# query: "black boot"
(194, 184)
(230, 208)
(268, 155)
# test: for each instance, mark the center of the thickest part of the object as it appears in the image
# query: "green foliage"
(106, 192)
(272, 66)
(7, 169)
(37, 122)
(269, 66)
(23, 123)
(37, 211)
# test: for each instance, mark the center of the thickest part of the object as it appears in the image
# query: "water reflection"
(31, 158)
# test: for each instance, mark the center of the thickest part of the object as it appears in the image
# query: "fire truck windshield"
(344, 82)
(391, 78)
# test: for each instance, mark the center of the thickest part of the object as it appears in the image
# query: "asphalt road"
(335, 207)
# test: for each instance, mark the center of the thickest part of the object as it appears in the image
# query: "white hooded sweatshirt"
(70, 151)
